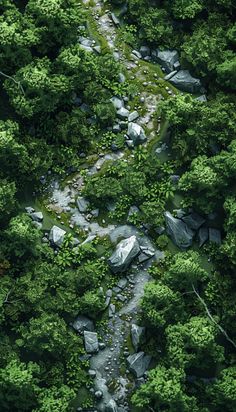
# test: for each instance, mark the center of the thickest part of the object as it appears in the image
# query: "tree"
(186, 9)
(18, 383)
(226, 72)
(55, 399)
(7, 198)
(223, 391)
(165, 391)
(161, 305)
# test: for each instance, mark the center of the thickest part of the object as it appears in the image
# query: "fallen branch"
(212, 319)
(14, 80)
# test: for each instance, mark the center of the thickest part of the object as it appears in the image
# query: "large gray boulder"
(37, 216)
(194, 220)
(184, 81)
(57, 235)
(125, 252)
(83, 323)
(137, 333)
(167, 59)
(138, 363)
(123, 113)
(91, 342)
(136, 133)
(178, 230)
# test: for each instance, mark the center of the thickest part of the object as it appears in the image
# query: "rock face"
(138, 363)
(214, 236)
(184, 81)
(137, 333)
(57, 236)
(83, 323)
(91, 342)
(202, 236)
(167, 59)
(136, 133)
(179, 232)
(194, 221)
(125, 252)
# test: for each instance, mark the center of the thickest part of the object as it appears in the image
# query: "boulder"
(83, 323)
(138, 363)
(86, 48)
(111, 310)
(214, 235)
(178, 230)
(117, 102)
(121, 78)
(125, 252)
(57, 236)
(145, 51)
(111, 406)
(184, 81)
(194, 220)
(133, 210)
(171, 74)
(136, 133)
(91, 342)
(133, 116)
(202, 236)
(123, 113)
(115, 19)
(201, 98)
(137, 333)
(37, 216)
(29, 209)
(167, 59)
(82, 204)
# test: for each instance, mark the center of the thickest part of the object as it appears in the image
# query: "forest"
(117, 206)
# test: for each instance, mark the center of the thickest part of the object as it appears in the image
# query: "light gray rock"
(116, 128)
(92, 373)
(121, 78)
(133, 116)
(123, 113)
(133, 210)
(82, 204)
(137, 333)
(145, 51)
(136, 54)
(117, 102)
(97, 49)
(185, 82)
(136, 133)
(111, 406)
(111, 310)
(95, 212)
(57, 236)
(29, 209)
(167, 59)
(171, 74)
(201, 98)
(85, 41)
(98, 394)
(38, 225)
(179, 232)
(122, 283)
(83, 323)
(214, 235)
(37, 216)
(138, 363)
(202, 236)
(194, 220)
(115, 19)
(86, 48)
(91, 342)
(124, 254)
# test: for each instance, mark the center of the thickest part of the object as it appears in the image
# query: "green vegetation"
(56, 118)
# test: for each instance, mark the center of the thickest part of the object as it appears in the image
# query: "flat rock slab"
(91, 342)
(214, 236)
(194, 221)
(137, 333)
(185, 82)
(138, 363)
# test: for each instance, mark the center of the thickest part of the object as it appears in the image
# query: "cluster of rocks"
(37, 217)
(169, 61)
(126, 119)
(126, 251)
(183, 228)
(85, 327)
(89, 45)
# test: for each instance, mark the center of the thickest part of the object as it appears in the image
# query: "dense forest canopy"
(57, 116)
